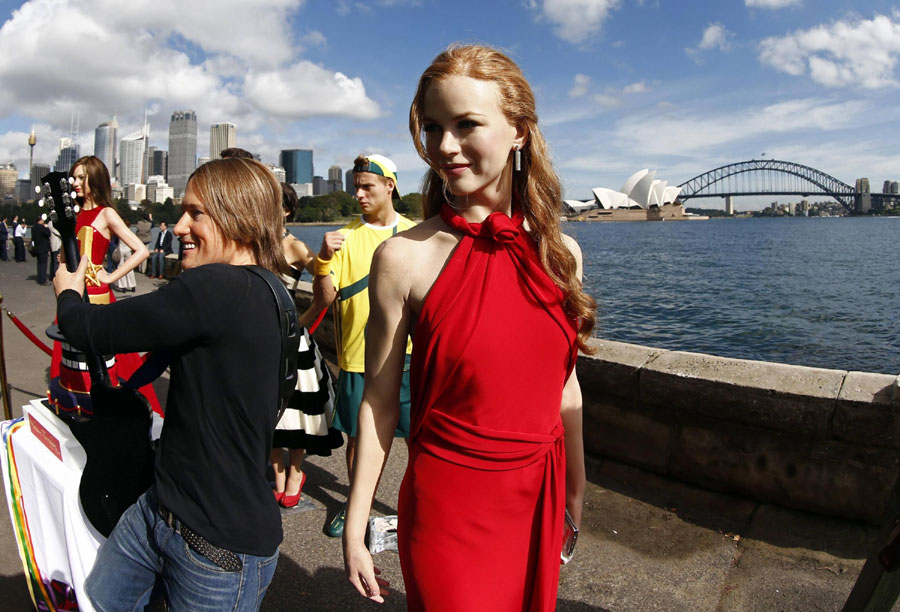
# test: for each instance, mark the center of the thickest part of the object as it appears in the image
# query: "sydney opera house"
(643, 197)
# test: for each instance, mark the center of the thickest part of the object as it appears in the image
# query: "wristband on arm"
(322, 267)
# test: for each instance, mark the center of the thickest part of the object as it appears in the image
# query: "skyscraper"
(106, 144)
(131, 163)
(159, 163)
(69, 151)
(39, 171)
(221, 136)
(298, 165)
(182, 149)
(335, 174)
(349, 187)
(8, 177)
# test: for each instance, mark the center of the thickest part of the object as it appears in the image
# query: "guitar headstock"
(56, 195)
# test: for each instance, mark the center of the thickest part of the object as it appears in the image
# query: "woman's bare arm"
(571, 414)
(139, 252)
(379, 411)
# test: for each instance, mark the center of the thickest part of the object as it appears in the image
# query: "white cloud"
(315, 39)
(305, 90)
(772, 4)
(607, 100)
(580, 85)
(715, 36)
(639, 87)
(95, 57)
(687, 134)
(575, 20)
(846, 53)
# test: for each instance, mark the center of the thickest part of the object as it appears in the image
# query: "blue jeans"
(143, 549)
(157, 264)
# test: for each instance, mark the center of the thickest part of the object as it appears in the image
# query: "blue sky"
(679, 86)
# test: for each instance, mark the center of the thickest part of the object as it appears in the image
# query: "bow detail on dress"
(497, 226)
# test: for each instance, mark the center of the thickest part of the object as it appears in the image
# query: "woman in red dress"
(96, 223)
(495, 303)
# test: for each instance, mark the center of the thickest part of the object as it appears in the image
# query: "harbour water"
(822, 292)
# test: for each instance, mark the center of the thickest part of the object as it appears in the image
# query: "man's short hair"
(235, 152)
(380, 165)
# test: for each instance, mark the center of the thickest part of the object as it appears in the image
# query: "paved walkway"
(647, 543)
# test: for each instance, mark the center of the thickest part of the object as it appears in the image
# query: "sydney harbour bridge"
(777, 177)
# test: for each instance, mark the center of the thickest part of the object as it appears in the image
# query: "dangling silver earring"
(448, 195)
(518, 160)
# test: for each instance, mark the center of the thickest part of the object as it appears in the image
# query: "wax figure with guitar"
(86, 221)
(208, 528)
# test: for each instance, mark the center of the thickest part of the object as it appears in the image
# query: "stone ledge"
(867, 411)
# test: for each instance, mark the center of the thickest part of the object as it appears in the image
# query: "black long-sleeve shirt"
(220, 325)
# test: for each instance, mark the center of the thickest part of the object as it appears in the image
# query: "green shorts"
(349, 395)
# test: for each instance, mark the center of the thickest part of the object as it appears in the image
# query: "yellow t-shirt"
(350, 274)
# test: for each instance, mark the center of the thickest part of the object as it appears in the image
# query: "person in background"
(4, 240)
(19, 240)
(144, 231)
(161, 247)
(495, 299)
(306, 423)
(208, 530)
(236, 152)
(40, 238)
(342, 274)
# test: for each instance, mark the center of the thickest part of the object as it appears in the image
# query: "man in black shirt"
(40, 236)
(209, 528)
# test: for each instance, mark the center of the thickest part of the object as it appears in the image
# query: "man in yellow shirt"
(342, 273)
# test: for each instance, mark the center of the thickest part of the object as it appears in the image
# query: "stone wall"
(826, 441)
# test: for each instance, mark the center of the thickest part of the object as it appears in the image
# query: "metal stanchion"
(7, 412)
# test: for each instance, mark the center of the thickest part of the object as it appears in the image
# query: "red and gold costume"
(70, 382)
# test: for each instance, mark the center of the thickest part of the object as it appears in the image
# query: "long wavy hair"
(536, 188)
(243, 199)
(97, 179)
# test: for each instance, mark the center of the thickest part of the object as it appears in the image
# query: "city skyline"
(620, 84)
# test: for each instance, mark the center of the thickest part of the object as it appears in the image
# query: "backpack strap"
(290, 335)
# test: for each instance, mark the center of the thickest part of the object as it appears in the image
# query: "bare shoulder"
(415, 257)
(575, 249)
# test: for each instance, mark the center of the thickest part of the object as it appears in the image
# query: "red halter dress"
(70, 382)
(481, 505)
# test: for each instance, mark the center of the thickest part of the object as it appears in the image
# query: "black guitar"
(116, 434)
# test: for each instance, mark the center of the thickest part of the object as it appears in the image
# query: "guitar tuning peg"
(77, 208)
(37, 188)
(44, 216)
(73, 195)
(71, 180)
(41, 202)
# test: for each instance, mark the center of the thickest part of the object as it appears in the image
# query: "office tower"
(335, 179)
(298, 165)
(24, 192)
(320, 186)
(131, 162)
(202, 160)
(106, 144)
(39, 171)
(182, 149)
(221, 136)
(349, 187)
(8, 177)
(69, 152)
(279, 173)
(159, 162)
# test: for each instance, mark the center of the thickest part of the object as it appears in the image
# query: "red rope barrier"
(315, 325)
(28, 334)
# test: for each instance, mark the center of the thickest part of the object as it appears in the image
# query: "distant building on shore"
(642, 197)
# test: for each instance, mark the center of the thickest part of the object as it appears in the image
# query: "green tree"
(410, 205)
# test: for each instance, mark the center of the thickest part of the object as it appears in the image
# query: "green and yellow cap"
(382, 166)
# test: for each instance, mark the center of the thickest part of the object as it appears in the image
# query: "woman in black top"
(209, 528)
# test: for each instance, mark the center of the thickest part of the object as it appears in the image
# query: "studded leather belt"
(222, 557)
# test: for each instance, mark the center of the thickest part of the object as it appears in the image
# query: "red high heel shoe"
(289, 501)
(279, 495)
